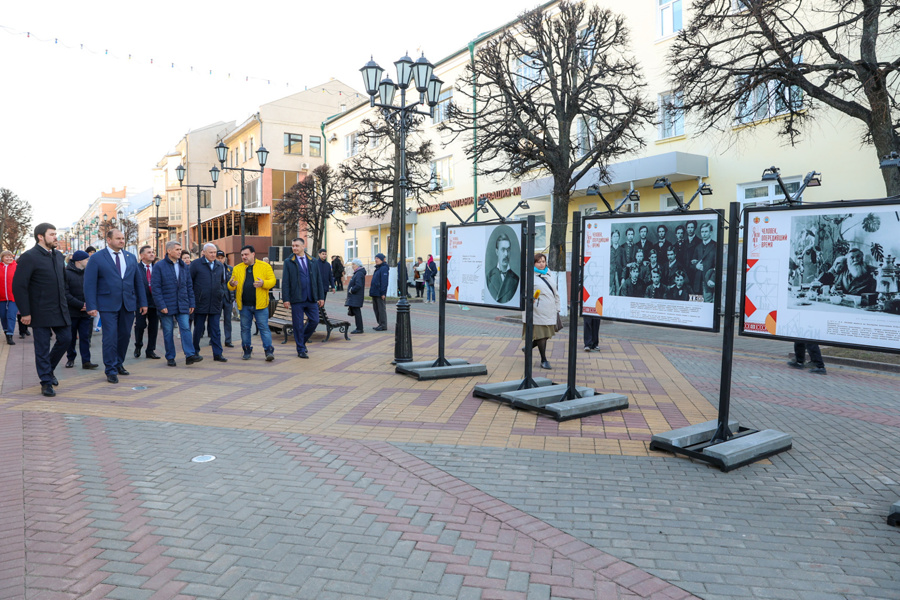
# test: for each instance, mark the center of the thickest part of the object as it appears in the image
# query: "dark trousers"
(302, 333)
(201, 322)
(420, 289)
(591, 331)
(380, 311)
(356, 311)
(82, 329)
(815, 355)
(45, 358)
(227, 308)
(339, 283)
(116, 328)
(150, 322)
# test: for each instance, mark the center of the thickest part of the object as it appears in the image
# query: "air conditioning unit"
(304, 166)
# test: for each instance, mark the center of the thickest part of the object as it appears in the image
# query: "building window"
(763, 193)
(351, 145)
(435, 242)
(376, 245)
(768, 100)
(293, 143)
(315, 145)
(667, 202)
(440, 109)
(540, 229)
(410, 244)
(528, 73)
(583, 131)
(205, 201)
(442, 173)
(175, 206)
(588, 210)
(632, 206)
(671, 116)
(349, 250)
(251, 147)
(669, 16)
(245, 151)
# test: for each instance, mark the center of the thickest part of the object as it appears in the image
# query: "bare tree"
(129, 229)
(558, 92)
(741, 61)
(373, 179)
(15, 221)
(312, 201)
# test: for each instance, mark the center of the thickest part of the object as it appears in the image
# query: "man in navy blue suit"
(114, 290)
(303, 293)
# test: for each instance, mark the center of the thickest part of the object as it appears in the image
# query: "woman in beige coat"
(546, 308)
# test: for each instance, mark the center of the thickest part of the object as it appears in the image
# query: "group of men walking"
(59, 300)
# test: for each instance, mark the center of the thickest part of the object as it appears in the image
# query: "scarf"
(543, 271)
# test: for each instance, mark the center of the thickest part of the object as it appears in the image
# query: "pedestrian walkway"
(336, 478)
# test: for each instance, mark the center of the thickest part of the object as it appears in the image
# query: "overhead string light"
(137, 59)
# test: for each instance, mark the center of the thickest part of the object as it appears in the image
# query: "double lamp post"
(400, 119)
(179, 172)
(262, 155)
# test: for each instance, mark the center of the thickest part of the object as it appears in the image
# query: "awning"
(641, 172)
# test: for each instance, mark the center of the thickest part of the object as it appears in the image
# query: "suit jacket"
(106, 290)
(143, 271)
(706, 254)
(39, 286)
(292, 289)
(207, 284)
(502, 289)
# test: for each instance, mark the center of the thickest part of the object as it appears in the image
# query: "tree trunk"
(393, 248)
(560, 217)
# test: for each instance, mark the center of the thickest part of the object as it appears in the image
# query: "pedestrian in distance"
(173, 293)
(227, 299)
(545, 315)
(326, 273)
(303, 292)
(91, 252)
(430, 275)
(356, 294)
(591, 333)
(337, 269)
(82, 323)
(815, 357)
(114, 290)
(39, 286)
(419, 276)
(252, 280)
(8, 309)
(150, 321)
(207, 275)
(378, 292)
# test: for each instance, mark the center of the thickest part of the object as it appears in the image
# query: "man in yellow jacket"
(251, 281)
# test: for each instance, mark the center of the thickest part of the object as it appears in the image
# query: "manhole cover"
(140, 388)
(204, 458)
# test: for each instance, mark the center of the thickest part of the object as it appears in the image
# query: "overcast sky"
(78, 122)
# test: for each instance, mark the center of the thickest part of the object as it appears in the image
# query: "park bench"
(280, 320)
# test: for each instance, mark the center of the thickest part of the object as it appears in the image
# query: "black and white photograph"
(671, 260)
(845, 260)
(502, 257)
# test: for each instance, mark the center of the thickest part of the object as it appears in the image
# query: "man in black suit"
(207, 275)
(150, 321)
(704, 260)
(39, 287)
(227, 299)
(501, 280)
(643, 243)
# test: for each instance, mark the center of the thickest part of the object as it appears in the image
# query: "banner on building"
(485, 264)
(654, 268)
(823, 273)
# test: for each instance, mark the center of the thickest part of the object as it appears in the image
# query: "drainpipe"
(324, 158)
(474, 135)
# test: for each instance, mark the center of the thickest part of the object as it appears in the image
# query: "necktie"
(118, 264)
(303, 264)
(147, 269)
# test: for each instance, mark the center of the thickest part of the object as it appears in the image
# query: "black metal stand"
(723, 432)
(571, 392)
(442, 301)
(528, 381)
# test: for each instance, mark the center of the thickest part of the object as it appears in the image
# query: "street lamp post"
(399, 118)
(157, 199)
(262, 155)
(179, 172)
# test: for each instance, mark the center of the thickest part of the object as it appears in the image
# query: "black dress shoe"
(270, 356)
(70, 364)
(122, 371)
(193, 359)
(89, 365)
(229, 345)
(303, 355)
(137, 352)
(112, 378)
(152, 354)
(47, 390)
(54, 380)
(219, 358)
(357, 332)
(171, 362)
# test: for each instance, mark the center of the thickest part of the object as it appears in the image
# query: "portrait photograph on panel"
(502, 258)
(485, 264)
(826, 273)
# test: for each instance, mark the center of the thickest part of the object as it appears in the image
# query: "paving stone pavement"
(336, 478)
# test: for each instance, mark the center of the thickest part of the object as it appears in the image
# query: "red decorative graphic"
(749, 307)
(751, 262)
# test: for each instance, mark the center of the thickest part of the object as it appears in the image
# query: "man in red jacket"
(8, 307)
